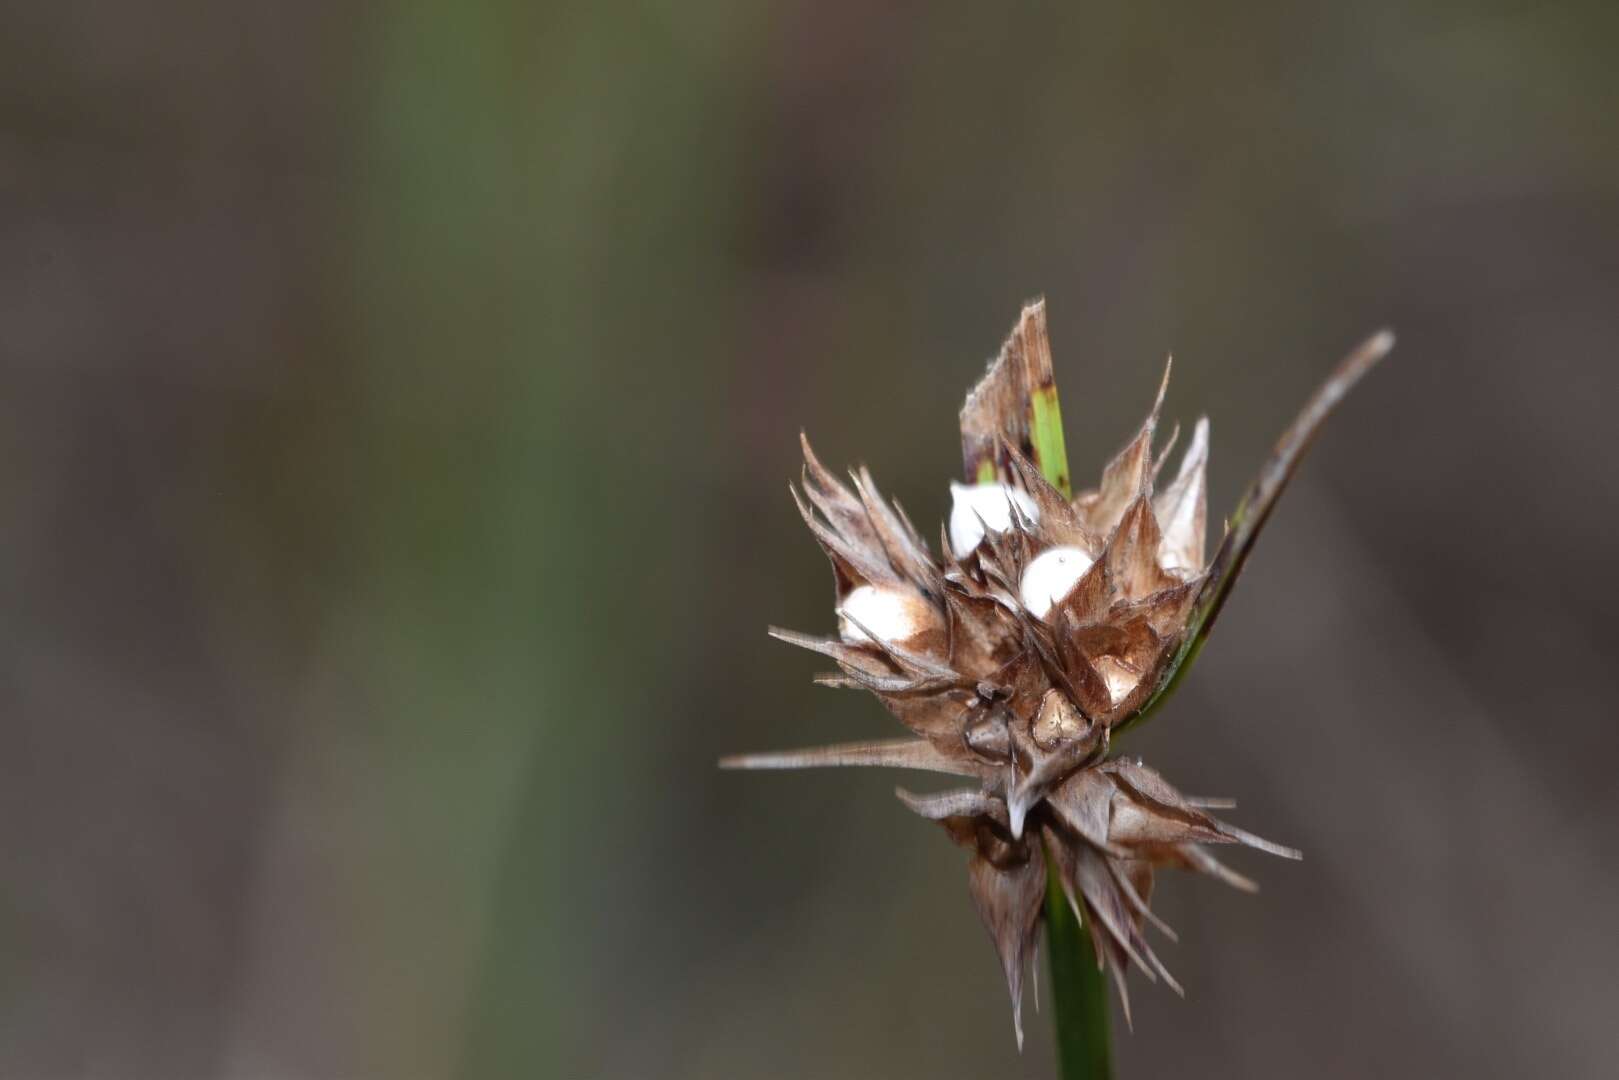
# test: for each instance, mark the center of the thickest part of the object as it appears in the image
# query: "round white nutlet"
(973, 506)
(1051, 576)
(894, 615)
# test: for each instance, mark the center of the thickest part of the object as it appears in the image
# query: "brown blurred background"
(397, 404)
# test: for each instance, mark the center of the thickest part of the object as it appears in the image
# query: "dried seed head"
(1047, 624)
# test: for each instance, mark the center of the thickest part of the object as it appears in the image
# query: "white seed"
(973, 506)
(1051, 576)
(1119, 677)
(894, 615)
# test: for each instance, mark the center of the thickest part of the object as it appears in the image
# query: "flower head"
(1046, 625)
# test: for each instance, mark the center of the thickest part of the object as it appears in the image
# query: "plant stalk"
(1079, 998)
(1079, 1007)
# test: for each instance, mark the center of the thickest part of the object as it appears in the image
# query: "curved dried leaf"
(1256, 505)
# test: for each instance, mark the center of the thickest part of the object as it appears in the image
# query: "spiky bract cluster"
(1045, 623)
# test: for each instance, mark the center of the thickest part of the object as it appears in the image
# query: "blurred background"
(397, 406)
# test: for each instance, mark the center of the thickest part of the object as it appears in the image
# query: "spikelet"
(1046, 624)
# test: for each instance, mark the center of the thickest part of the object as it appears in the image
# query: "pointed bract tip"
(1259, 843)
(1017, 810)
(1364, 357)
(1163, 387)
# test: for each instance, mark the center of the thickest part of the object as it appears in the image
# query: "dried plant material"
(1009, 408)
(1008, 899)
(1047, 624)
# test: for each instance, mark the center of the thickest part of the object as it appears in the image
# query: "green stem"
(1079, 997)
(1045, 432)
